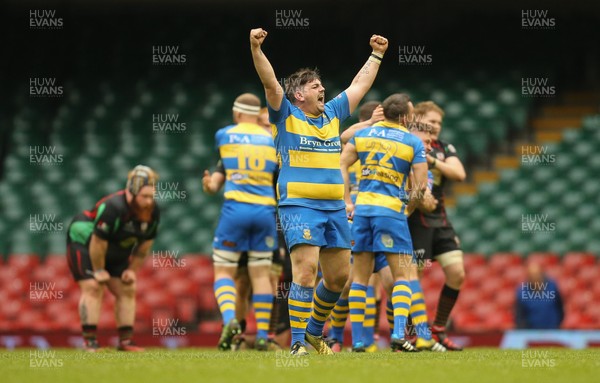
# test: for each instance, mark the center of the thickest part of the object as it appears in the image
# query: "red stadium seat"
(472, 259)
(574, 261)
(500, 262)
(544, 258)
(24, 261)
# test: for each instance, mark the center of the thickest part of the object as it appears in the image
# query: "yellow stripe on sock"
(296, 324)
(293, 302)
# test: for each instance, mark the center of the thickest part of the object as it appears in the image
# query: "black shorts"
(429, 242)
(80, 264)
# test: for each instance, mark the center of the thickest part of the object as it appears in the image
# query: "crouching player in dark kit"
(106, 246)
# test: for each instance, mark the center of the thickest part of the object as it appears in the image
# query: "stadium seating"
(185, 293)
(559, 192)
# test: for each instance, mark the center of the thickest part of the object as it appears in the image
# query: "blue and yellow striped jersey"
(386, 152)
(249, 159)
(308, 150)
(354, 171)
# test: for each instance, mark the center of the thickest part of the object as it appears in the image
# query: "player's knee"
(457, 276)
(305, 274)
(128, 291)
(337, 281)
(92, 289)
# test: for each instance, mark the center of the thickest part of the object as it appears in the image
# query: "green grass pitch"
(477, 365)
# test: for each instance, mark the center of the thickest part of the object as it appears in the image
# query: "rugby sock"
(299, 306)
(448, 298)
(389, 313)
(369, 324)
(125, 333)
(225, 294)
(339, 314)
(89, 332)
(358, 303)
(323, 303)
(401, 298)
(263, 305)
(418, 311)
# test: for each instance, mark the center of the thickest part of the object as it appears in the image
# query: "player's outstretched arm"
(349, 157)
(212, 183)
(375, 117)
(364, 78)
(98, 247)
(273, 90)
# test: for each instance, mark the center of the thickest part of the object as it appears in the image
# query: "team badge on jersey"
(270, 241)
(307, 235)
(387, 240)
(144, 226)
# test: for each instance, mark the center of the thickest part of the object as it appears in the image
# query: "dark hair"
(298, 79)
(395, 106)
(366, 110)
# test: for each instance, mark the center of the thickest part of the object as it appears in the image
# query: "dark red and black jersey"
(440, 151)
(113, 220)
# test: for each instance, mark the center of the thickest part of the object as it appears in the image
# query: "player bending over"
(105, 248)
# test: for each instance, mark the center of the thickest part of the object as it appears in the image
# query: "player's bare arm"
(419, 186)
(351, 131)
(366, 76)
(273, 90)
(348, 158)
(98, 248)
(140, 253)
(452, 168)
(212, 183)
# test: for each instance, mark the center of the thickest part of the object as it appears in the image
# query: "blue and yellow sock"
(369, 324)
(299, 306)
(389, 313)
(263, 305)
(323, 303)
(418, 311)
(358, 304)
(225, 294)
(339, 314)
(401, 298)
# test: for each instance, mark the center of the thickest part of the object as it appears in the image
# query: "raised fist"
(257, 36)
(379, 44)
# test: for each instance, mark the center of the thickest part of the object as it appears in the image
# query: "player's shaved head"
(366, 110)
(428, 106)
(297, 80)
(396, 106)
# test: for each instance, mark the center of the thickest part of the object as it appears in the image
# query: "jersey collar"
(392, 125)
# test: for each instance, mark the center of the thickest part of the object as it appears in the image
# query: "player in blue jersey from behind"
(310, 187)
(247, 221)
(388, 153)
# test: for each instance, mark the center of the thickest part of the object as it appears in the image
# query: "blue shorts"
(380, 262)
(246, 227)
(305, 226)
(381, 234)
